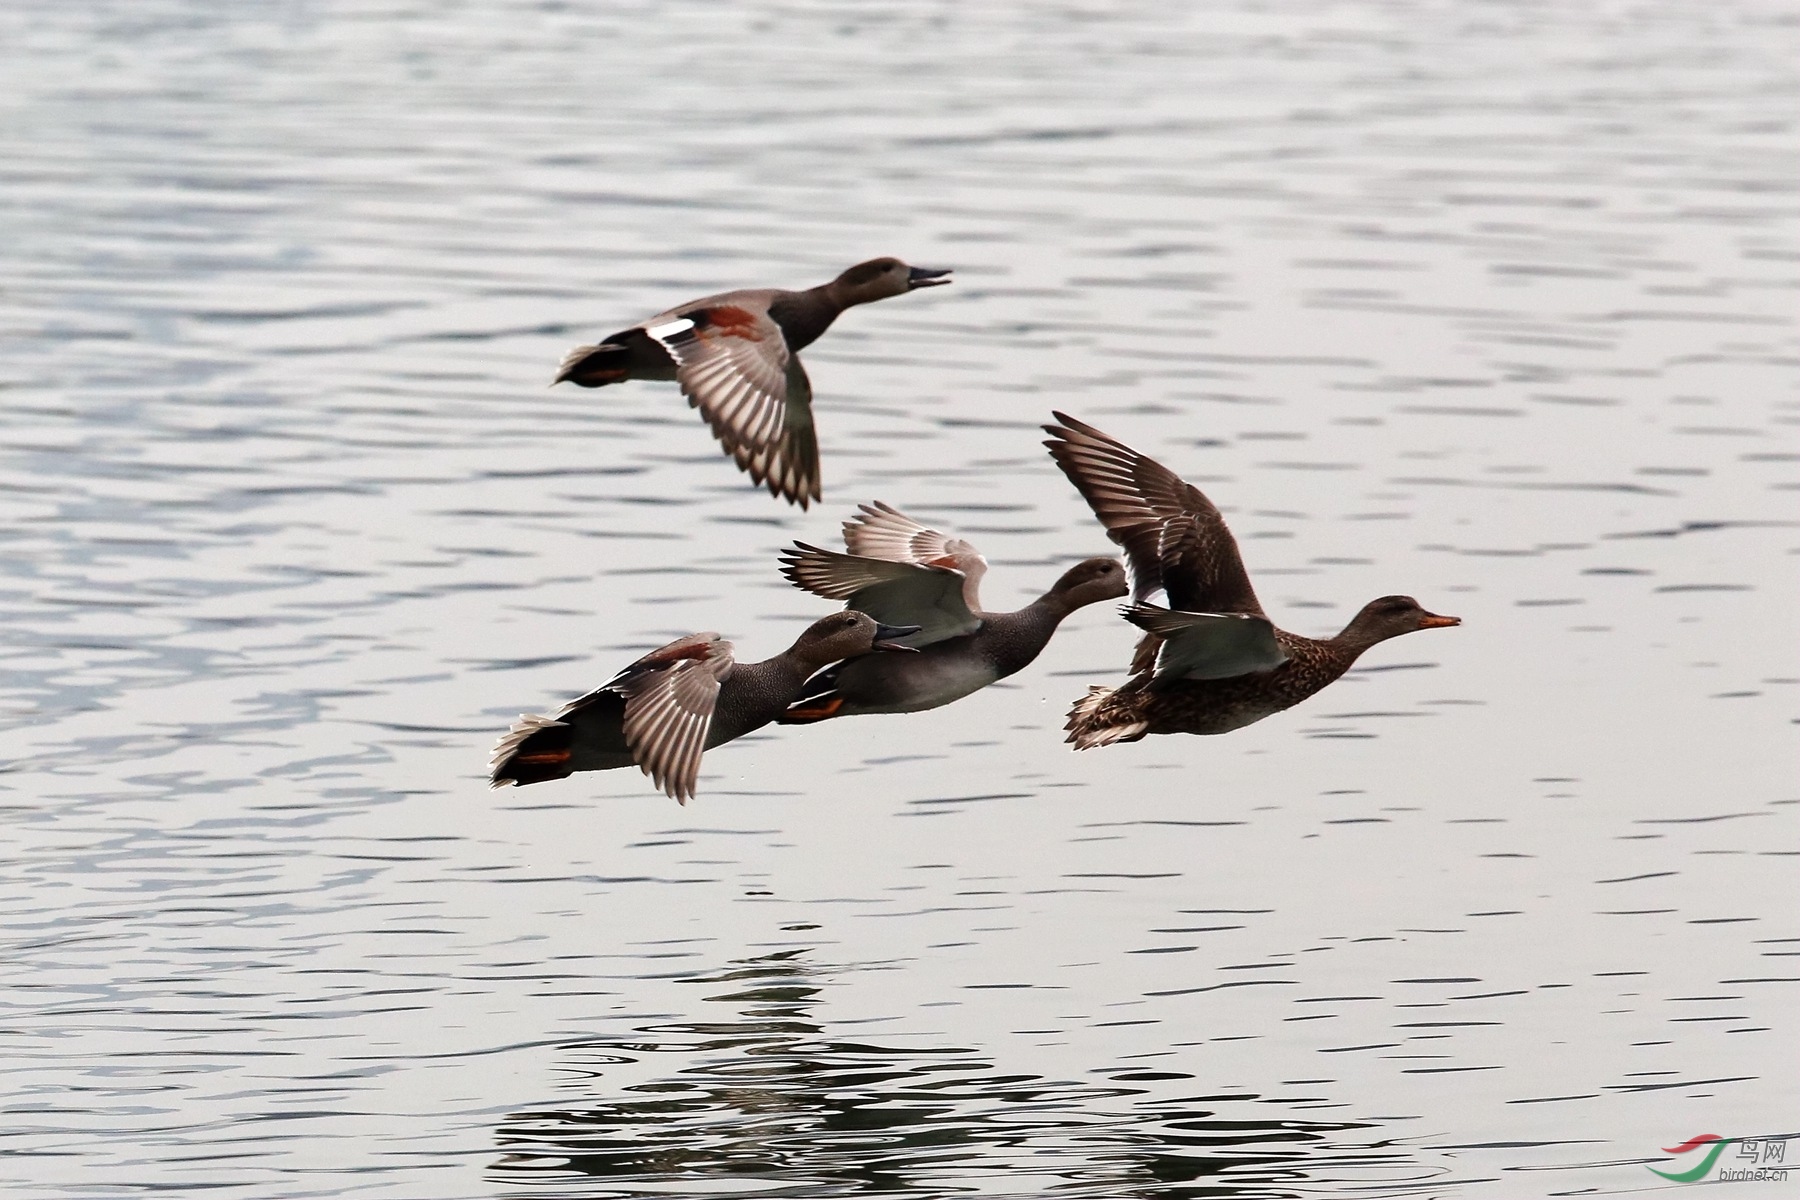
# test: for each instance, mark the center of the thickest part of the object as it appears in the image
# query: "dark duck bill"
(887, 637)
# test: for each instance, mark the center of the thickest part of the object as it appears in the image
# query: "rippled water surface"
(1492, 304)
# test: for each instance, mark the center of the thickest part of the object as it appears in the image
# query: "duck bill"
(919, 277)
(887, 637)
(1433, 621)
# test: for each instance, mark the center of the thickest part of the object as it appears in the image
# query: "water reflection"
(772, 1101)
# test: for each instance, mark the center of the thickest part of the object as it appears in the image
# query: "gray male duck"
(737, 358)
(1211, 662)
(902, 572)
(665, 709)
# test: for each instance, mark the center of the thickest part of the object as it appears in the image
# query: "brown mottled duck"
(1212, 661)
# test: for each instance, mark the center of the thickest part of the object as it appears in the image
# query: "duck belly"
(597, 735)
(895, 683)
(1178, 712)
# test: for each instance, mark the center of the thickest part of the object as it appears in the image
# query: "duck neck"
(837, 297)
(1016, 638)
(788, 669)
(804, 316)
(1052, 607)
(1350, 643)
(755, 694)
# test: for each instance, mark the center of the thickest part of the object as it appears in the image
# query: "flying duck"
(663, 710)
(737, 358)
(902, 572)
(1212, 661)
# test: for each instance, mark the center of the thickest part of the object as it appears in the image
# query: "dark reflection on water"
(776, 1104)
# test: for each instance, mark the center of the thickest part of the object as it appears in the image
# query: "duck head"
(1391, 616)
(848, 634)
(880, 278)
(1090, 582)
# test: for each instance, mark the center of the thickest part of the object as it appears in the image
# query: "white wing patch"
(669, 329)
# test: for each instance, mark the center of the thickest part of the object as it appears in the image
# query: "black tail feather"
(536, 749)
(595, 366)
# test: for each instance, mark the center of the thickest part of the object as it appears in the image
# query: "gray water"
(1490, 304)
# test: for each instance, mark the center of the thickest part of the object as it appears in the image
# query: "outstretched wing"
(670, 695)
(733, 364)
(1173, 536)
(883, 531)
(894, 593)
(1198, 645)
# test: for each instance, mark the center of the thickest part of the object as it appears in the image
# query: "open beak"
(1433, 621)
(886, 635)
(918, 277)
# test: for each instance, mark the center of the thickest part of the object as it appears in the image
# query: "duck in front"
(1212, 661)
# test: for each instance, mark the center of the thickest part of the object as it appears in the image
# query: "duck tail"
(595, 366)
(534, 750)
(1097, 719)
